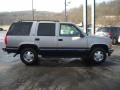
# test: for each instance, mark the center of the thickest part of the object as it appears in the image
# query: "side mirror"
(82, 36)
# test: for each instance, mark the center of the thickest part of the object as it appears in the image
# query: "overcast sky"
(39, 5)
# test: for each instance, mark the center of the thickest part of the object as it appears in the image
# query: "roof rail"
(49, 20)
(39, 20)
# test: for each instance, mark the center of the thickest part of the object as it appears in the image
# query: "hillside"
(106, 13)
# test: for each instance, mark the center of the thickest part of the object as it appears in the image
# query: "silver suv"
(54, 39)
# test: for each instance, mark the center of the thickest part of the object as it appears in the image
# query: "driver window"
(68, 30)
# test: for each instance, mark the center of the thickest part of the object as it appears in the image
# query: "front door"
(70, 37)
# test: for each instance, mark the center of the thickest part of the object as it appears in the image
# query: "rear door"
(115, 32)
(46, 35)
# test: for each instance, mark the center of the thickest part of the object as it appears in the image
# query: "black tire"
(99, 61)
(114, 41)
(90, 60)
(34, 58)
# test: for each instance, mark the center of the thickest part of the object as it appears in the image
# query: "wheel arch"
(103, 46)
(28, 46)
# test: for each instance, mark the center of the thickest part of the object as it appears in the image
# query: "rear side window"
(113, 30)
(46, 29)
(20, 29)
(103, 30)
(119, 30)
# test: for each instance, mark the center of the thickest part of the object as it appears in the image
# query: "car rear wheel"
(29, 56)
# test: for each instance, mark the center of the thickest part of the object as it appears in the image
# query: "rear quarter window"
(20, 29)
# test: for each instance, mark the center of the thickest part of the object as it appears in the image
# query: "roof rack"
(39, 20)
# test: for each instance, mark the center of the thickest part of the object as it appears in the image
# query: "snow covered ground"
(2, 34)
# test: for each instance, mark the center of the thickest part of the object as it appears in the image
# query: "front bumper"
(110, 51)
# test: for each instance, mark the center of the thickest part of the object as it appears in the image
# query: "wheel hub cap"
(98, 56)
(28, 56)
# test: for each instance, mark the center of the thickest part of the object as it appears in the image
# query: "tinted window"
(46, 29)
(20, 29)
(69, 30)
(119, 30)
(114, 30)
(103, 29)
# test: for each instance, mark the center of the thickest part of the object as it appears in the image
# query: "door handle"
(37, 39)
(60, 39)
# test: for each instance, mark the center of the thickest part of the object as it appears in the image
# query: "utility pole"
(33, 9)
(85, 16)
(93, 17)
(65, 10)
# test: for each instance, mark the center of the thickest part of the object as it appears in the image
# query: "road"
(59, 74)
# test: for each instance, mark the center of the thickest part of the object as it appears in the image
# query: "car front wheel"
(98, 56)
(29, 56)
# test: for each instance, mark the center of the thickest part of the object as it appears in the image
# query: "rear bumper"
(110, 51)
(10, 50)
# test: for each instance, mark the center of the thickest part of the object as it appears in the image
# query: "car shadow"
(75, 62)
(62, 63)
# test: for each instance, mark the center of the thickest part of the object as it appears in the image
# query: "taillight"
(5, 40)
(110, 34)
